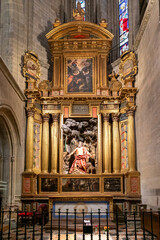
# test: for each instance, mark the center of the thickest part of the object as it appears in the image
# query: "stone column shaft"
(54, 143)
(116, 144)
(106, 144)
(131, 141)
(45, 143)
(29, 141)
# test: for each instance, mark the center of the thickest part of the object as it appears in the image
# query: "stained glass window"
(123, 25)
(83, 4)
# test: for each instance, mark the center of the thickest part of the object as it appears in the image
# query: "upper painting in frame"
(79, 75)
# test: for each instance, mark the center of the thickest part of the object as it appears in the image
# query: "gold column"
(131, 140)
(54, 143)
(99, 169)
(116, 144)
(45, 143)
(29, 140)
(106, 144)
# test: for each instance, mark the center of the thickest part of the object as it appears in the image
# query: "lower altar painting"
(112, 184)
(80, 146)
(49, 184)
(87, 206)
(80, 185)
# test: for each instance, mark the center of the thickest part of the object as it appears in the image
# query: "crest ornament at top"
(128, 65)
(78, 13)
(31, 66)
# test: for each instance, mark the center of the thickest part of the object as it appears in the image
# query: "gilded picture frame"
(79, 75)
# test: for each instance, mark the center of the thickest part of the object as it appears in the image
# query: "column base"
(116, 171)
(54, 172)
(44, 172)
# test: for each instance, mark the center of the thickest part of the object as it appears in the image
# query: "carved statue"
(80, 138)
(78, 13)
(81, 158)
(114, 85)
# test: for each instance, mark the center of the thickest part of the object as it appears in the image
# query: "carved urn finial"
(78, 13)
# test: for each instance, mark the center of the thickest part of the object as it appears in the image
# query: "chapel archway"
(9, 145)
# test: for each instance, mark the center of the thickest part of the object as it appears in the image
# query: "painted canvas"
(79, 75)
(49, 184)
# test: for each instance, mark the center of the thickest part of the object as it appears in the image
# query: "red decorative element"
(134, 184)
(80, 36)
(94, 112)
(26, 185)
(66, 112)
(28, 214)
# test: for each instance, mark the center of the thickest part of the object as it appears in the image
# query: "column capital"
(55, 117)
(115, 117)
(30, 112)
(45, 117)
(130, 111)
(106, 117)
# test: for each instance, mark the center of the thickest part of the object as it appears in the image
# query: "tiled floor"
(79, 236)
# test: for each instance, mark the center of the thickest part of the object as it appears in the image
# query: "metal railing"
(33, 224)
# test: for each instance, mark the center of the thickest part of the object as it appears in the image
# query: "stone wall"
(148, 106)
(13, 125)
(23, 27)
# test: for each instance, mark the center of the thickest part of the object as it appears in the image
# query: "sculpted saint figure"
(81, 158)
(78, 13)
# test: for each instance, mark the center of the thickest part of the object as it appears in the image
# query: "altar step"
(79, 224)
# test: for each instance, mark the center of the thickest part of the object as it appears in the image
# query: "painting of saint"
(79, 75)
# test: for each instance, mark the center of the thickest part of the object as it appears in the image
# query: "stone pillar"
(116, 144)
(45, 143)
(131, 140)
(29, 140)
(54, 143)
(106, 144)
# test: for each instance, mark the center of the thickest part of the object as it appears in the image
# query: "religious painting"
(80, 146)
(49, 184)
(124, 145)
(79, 75)
(80, 185)
(31, 67)
(112, 184)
